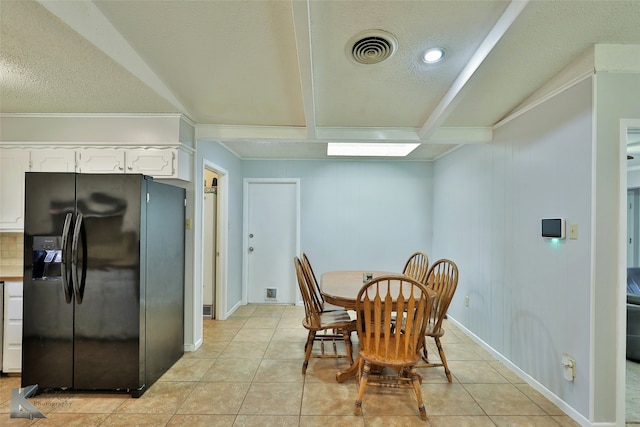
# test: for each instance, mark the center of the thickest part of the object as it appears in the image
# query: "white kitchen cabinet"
(156, 162)
(14, 162)
(96, 160)
(54, 160)
(153, 162)
(12, 336)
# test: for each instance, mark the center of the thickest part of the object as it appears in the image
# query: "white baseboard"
(564, 406)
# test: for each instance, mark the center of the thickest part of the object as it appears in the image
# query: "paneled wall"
(529, 297)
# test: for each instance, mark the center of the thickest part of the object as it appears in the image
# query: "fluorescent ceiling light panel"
(379, 149)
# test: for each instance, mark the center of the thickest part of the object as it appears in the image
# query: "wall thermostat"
(553, 228)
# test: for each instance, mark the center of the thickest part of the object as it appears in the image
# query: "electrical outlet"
(466, 301)
(569, 367)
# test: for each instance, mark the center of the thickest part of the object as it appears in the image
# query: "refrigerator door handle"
(78, 233)
(66, 282)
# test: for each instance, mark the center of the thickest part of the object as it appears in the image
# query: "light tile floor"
(248, 373)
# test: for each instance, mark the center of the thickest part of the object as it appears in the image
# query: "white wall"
(219, 155)
(358, 214)
(529, 297)
(354, 214)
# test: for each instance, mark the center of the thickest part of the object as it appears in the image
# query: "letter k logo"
(20, 406)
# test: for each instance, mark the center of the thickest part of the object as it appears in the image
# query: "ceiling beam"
(369, 134)
(302, 28)
(467, 135)
(452, 97)
(84, 17)
(255, 133)
(372, 134)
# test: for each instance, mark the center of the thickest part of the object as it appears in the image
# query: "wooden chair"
(443, 280)
(322, 326)
(383, 345)
(316, 294)
(417, 267)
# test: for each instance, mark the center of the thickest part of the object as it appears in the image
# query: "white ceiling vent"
(371, 47)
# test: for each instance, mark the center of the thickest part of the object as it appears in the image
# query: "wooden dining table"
(341, 288)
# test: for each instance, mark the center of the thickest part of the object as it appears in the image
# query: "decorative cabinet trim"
(13, 165)
(98, 160)
(53, 160)
(166, 162)
(157, 161)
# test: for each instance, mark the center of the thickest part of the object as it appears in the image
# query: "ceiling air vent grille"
(372, 47)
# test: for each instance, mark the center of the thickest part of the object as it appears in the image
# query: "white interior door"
(209, 256)
(271, 240)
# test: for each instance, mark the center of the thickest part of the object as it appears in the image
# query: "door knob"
(250, 248)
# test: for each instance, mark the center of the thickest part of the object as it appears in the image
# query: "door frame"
(222, 246)
(245, 226)
(621, 315)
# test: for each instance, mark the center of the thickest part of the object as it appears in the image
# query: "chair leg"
(363, 385)
(415, 379)
(307, 350)
(443, 359)
(425, 352)
(346, 334)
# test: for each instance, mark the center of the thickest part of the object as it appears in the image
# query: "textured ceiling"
(46, 67)
(274, 79)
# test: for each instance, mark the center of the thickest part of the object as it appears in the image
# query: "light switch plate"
(573, 231)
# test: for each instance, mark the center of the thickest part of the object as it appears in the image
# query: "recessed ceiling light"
(433, 55)
(377, 149)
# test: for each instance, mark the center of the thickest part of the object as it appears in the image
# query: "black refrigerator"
(103, 281)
